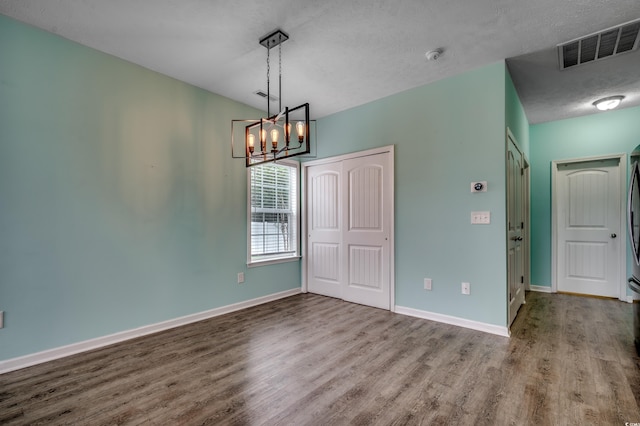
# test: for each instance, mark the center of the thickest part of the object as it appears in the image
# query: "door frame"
(303, 211)
(622, 261)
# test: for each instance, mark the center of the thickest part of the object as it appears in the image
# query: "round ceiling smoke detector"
(433, 55)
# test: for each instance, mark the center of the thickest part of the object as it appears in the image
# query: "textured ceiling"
(346, 53)
(550, 94)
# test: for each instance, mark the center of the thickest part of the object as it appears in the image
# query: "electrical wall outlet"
(240, 277)
(427, 283)
(1, 319)
(466, 288)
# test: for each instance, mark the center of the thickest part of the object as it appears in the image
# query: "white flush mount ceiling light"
(608, 103)
(276, 129)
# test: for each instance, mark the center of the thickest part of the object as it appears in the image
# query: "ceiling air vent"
(602, 45)
(263, 94)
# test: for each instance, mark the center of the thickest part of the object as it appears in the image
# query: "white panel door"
(589, 228)
(515, 228)
(324, 228)
(366, 236)
(349, 215)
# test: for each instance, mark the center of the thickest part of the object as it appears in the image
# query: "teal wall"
(119, 203)
(515, 116)
(447, 134)
(611, 132)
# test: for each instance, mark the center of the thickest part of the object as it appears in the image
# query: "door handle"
(613, 235)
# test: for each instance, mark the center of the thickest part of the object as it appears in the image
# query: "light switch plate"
(480, 218)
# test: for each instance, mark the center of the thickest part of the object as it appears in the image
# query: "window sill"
(266, 262)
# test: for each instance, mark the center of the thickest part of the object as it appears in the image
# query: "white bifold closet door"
(349, 206)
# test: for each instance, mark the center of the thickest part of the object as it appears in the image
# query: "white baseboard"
(460, 322)
(540, 288)
(87, 345)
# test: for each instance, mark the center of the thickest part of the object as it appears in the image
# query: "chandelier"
(279, 136)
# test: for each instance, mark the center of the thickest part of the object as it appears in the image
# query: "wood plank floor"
(312, 360)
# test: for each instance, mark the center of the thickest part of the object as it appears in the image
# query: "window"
(273, 212)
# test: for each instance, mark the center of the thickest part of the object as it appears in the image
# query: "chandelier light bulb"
(263, 140)
(252, 142)
(300, 130)
(287, 133)
(274, 138)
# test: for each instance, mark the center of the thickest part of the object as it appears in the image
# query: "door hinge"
(521, 225)
(522, 279)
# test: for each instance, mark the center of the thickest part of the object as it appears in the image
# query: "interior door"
(366, 235)
(633, 215)
(588, 226)
(515, 228)
(324, 227)
(349, 236)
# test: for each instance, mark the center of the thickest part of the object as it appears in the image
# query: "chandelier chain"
(268, 83)
(279, 77)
